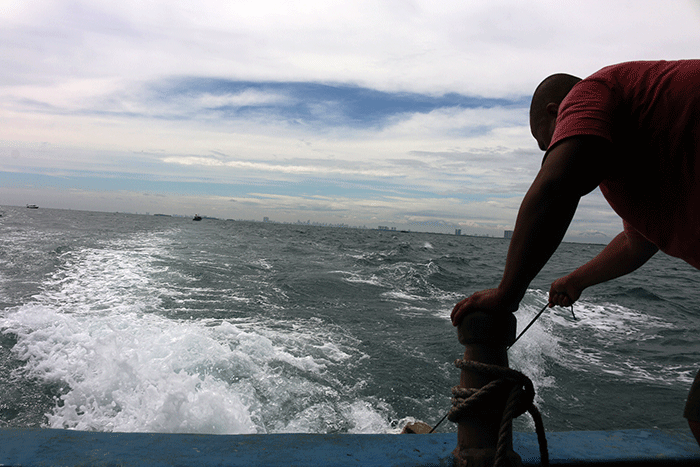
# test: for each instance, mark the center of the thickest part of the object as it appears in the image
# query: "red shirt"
(650, 112)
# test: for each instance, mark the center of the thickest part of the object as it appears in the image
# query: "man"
(634, 130)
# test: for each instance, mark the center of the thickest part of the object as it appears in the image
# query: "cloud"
(219, 100)
(326, 171)
(411, 110)
(486, 48)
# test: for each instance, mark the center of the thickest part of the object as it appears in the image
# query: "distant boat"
(197, 217)
(32, 206)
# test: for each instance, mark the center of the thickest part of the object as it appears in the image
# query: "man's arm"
(571, 169)
(627, 252)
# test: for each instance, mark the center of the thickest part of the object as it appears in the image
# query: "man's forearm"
(571, 169)
(543, 219)
(621, 256)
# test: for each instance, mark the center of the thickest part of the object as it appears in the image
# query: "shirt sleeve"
(588, 109)
(632, 232)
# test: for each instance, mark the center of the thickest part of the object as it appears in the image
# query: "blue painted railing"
(45, 447)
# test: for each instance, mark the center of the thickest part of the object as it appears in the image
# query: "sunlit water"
(118, 322)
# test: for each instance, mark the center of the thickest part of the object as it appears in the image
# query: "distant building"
(458, 231)
(266, 219)
(507, 234)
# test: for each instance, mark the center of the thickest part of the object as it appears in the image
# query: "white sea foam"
(531, 352)
(365, 418)
(143, 372)
(127, 372)
(96, 331)
(357, 278)
(596, 340)
(262, 263)
(400, 295)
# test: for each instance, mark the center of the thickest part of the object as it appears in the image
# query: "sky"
(409, 114)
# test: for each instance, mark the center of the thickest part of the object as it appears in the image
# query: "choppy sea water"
(122, 322)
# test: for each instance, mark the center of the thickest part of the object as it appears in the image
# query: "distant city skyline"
(506, 234)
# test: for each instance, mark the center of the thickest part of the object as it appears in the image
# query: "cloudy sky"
(404, 113)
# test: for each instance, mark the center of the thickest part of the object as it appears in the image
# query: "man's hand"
(564, 292)
(490, 301)
(625, 253)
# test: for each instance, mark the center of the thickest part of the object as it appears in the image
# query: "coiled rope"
(521, 395)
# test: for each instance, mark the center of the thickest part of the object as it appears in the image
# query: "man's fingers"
(560, 299)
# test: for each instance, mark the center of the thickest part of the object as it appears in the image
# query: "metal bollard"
(486, 338)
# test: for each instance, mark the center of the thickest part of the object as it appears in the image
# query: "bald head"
(552, 90)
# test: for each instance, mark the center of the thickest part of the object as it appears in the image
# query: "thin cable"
(438, 423)
(528, 326)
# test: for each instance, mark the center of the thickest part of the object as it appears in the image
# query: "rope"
(520, 399)
(511, 345)
(521, 395)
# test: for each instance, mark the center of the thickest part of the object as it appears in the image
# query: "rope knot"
(506, 384)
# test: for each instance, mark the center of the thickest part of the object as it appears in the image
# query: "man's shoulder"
(643, 71)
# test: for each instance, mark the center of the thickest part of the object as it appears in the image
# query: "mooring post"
(486, 338)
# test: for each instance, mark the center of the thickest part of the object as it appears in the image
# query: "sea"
(118, 322)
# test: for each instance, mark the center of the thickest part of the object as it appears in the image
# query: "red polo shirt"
(650, 112)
